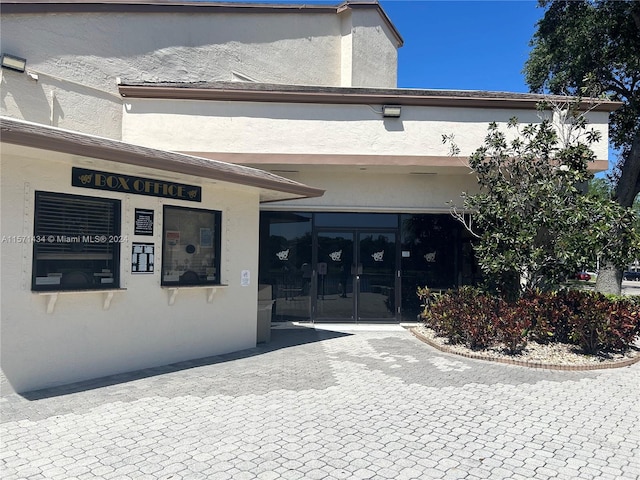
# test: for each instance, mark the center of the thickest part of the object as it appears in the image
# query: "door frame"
(355, 280)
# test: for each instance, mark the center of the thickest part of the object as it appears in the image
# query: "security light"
(13, 63)
(391, 111)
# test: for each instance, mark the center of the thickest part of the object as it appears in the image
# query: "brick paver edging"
(524, 363)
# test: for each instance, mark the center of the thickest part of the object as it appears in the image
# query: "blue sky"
(470, 45)
(458, 44)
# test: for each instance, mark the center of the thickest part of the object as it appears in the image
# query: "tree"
(601, 189)
(534, 225)
(592, 46)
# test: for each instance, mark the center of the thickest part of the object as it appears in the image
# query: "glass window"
(430, 257)
(356, 220)
(191, 246)
(76, 242)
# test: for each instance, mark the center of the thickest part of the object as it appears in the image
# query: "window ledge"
(53, 296)
(211, 290)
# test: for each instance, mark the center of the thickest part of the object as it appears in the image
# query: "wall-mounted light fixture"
(391, 111)
(13, 63)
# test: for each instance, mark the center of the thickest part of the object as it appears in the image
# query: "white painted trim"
(211, 290)
(332, 208)
(53, 296)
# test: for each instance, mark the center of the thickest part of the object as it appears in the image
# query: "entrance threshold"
(342, 327)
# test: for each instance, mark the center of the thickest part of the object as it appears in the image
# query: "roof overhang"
(260, 92)
(272, 187)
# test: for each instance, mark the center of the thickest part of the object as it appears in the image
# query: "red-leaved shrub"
(592, 321)
(512, 325)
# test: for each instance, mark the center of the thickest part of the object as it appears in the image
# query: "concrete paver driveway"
(328, 404)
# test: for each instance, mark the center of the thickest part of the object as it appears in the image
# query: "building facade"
(223, 146)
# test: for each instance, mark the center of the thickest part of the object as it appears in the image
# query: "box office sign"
(115, 182)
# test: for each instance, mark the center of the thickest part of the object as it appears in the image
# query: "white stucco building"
(218, 147)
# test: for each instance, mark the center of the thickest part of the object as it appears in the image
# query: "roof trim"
(151, 6)
(297, 160)
(260, 92)
(28, 134)
(353, 5)
(164, 6)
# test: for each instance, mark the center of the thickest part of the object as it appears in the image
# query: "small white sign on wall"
(245, 278)
(142, 258)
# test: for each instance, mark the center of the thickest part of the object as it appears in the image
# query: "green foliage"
(603, 189)
(590, 47)
(593, 322)
(533, 224)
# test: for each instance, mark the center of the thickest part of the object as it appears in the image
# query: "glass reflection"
(434, 250)
(285, 263)
(377, 288)
(335, 275)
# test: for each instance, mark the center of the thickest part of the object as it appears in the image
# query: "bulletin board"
(142, 257)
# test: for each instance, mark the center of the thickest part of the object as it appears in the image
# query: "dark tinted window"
(191, 246)
(76, 242)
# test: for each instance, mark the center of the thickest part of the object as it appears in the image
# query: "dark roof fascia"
(252, 92)
(149, 6)
(43, 137)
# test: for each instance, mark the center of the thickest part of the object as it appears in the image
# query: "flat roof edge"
(228, 91)
(148, 6)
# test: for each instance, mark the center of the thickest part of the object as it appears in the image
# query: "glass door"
(376, 276)
(335, 276)
(356, 276)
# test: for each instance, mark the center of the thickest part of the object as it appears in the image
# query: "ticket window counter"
(77, 244)
(191, 246)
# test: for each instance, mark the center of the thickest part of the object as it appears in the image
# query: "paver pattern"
(318, 404)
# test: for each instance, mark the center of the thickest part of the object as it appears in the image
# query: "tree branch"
(636, 18)
(629, 182)
(620, 88)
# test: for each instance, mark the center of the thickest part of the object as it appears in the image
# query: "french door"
(356, 275)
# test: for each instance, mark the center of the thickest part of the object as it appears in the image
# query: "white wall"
(374, 56)
(80, 340)
(369, 52)
(212, 126)
(78, 57)
(381, 192)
